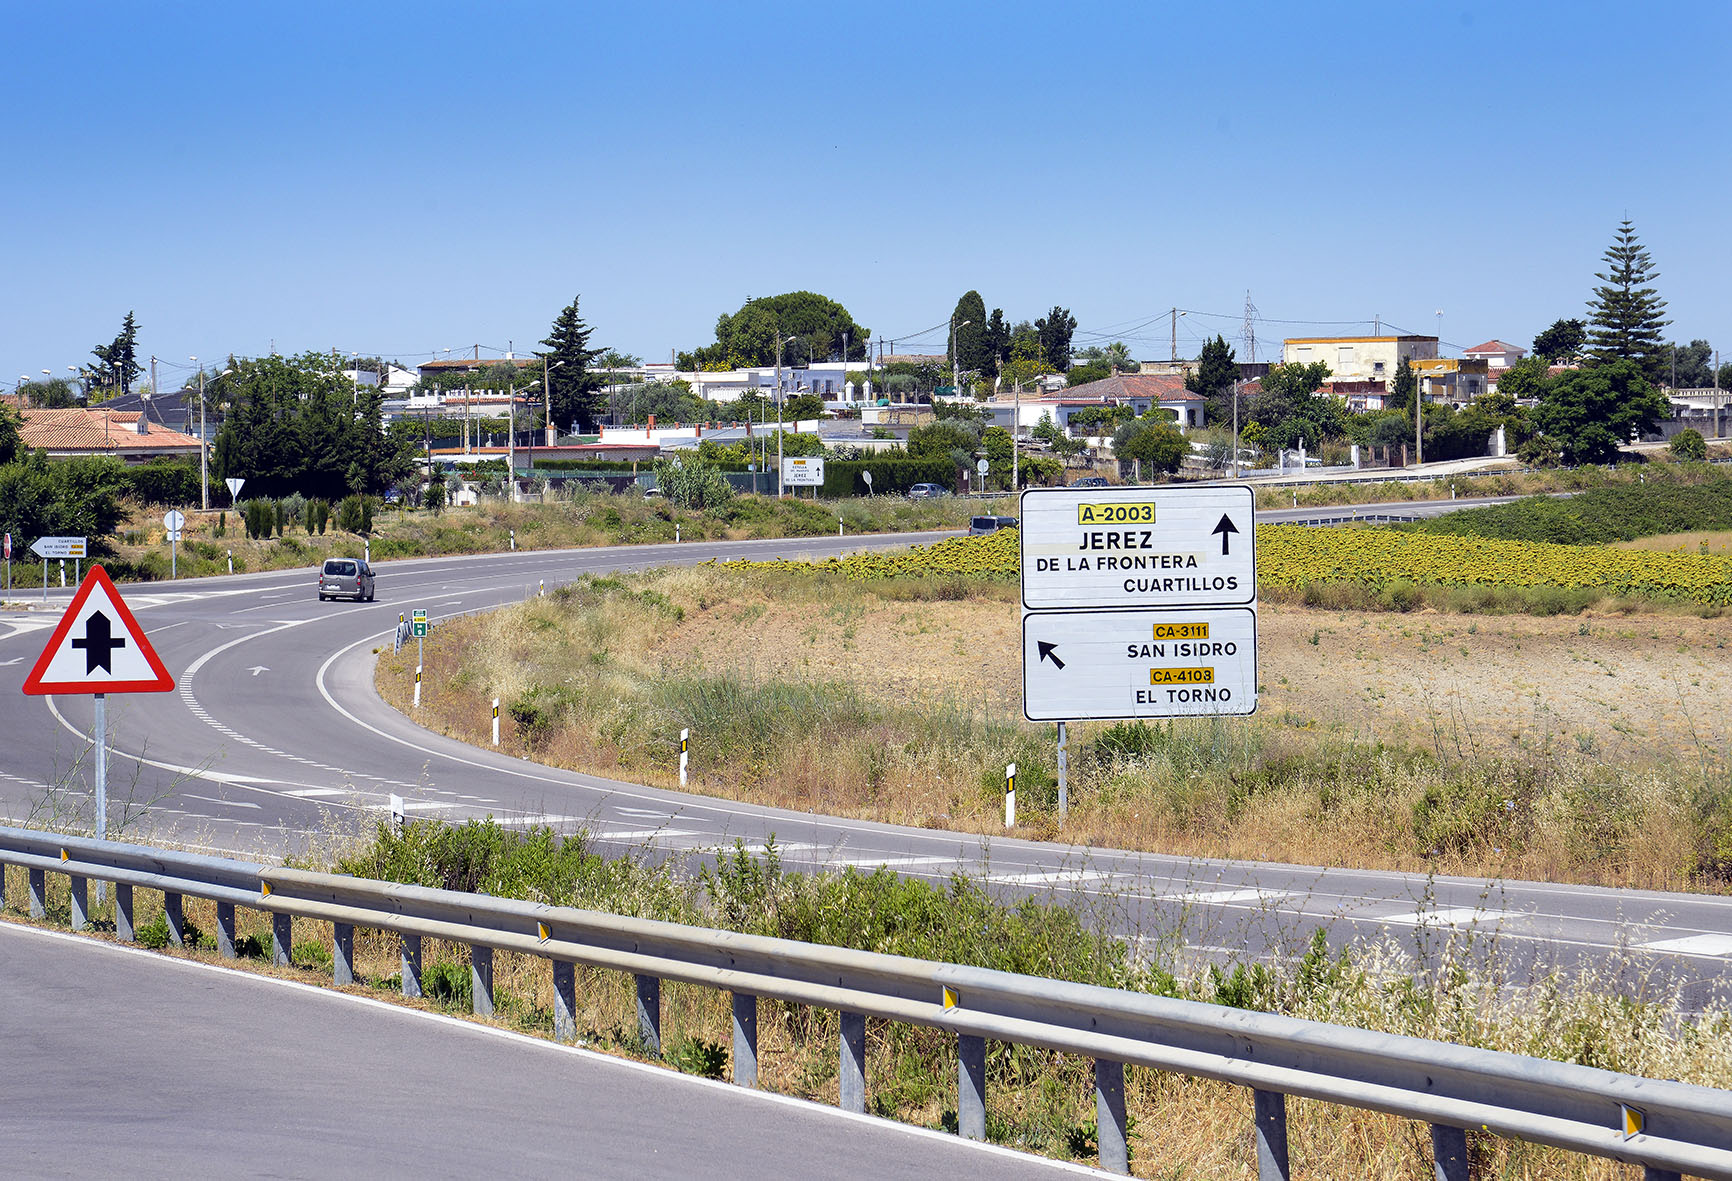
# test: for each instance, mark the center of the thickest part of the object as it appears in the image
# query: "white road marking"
(308, 793)
(646, 813)
(1228, 897)
(874, 860)
(640, 834)
(1715, 945)
(1459, 916)
(187, 795)
(1052, 877)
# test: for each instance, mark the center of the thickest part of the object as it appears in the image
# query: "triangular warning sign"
(98, 647)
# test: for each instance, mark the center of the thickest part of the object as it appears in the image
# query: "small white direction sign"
(174, 520)
(234, 485)
(1138, 664)
(98, 647)
(59, 547)
(803, 471)
(1138, 547)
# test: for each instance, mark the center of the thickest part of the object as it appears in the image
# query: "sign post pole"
(101, 726)
(1063, 773)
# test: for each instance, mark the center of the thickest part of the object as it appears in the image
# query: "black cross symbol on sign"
(98, 643)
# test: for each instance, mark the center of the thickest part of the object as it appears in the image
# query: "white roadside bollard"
(417, 686)
(514, 541)
(540, 587)
(676, 532)
(397, 812)
(1010, 795)
(231, 561)
(685, 748)
(496, 721)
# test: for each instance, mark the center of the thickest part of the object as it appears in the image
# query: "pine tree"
(1055, 330)
(576, 395)
(1625, 320)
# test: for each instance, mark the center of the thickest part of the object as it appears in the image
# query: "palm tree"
(614, 359)
(1118, 356)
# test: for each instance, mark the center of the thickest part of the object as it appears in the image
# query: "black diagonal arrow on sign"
(99, 643)
(1047, 652)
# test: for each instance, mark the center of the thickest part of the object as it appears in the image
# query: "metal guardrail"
(1666, 1127)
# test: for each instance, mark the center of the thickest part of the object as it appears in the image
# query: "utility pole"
(955, 362)
(779, 489)
(203, 448)
(547, 392)
(1175, 344)
(1236, 386)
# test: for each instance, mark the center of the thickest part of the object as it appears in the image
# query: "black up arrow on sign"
(1226, 529)
(1047, 653)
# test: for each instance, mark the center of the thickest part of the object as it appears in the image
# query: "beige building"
(1446, 379)
(1359, 358)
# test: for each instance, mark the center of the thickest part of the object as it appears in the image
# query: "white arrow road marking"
(1454, 917)
(1716, 945)
(257, 669)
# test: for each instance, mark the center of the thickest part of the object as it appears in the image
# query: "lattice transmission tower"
(1250, 331)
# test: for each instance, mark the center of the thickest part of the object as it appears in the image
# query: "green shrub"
(448, 984)
(694, 1055)
(1688, 444)
(154, 934)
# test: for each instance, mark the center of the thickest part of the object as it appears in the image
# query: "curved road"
(121, 1062)
(275, 732)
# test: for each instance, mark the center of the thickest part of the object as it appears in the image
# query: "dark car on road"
(346, 578)
(979, 526)
(1090, 482)
(926, 492)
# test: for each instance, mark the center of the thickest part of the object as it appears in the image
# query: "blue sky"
(403, 179)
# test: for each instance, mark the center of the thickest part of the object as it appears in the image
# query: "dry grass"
(1588, 749)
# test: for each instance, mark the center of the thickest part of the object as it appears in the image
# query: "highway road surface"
(124, 1063)
(275, 732)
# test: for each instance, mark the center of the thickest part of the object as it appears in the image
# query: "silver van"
(346, 578)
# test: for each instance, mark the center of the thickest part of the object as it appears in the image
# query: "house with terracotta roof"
(125, 434)
(1496, 354)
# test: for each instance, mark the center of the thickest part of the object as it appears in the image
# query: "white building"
(1496, 354)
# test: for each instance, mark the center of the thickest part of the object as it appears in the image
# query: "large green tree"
(1214, 377)
(1590, 413)
(971, 351)
(811, 325)
(298, 425)
(998, 338)
(1404, 389)
(1055, 330)
(1292, 407)
(1690, 366)
(1153, 441)
(1625, 320)
(1562, 342)
(117, 364)
(575, 392)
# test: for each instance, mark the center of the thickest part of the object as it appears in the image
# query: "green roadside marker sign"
(418, 621)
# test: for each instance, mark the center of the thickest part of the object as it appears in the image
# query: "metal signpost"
(1137, 603)
(8, 563)
(173, 521)
(418, 625)
(234, 485)
(98, 648)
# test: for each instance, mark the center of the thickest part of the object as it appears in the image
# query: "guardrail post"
(411, 965)
(1115, 1156)
(971, 1086)
(745, 1040)
(282, 939)
(80, 901)
(174, 915)
(1449, 1152)
(1270, 1109)
(481, 980)
(342, 953)
(38, 893)
(851, 1086)
(564, 1001)
(1650, 1173)
(649, 1013)
(123, 930)
(226, 930)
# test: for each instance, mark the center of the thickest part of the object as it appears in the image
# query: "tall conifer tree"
(1624, 316)
(576, 395)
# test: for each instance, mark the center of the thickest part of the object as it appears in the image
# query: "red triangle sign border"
(96, 576)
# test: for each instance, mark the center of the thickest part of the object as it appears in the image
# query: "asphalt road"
(127, 1063)
(275, 733)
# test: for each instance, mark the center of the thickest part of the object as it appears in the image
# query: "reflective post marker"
(514, 541)
(231, 561)
(1010, 796)
(417, 686)
(496, 721)
(685, 747)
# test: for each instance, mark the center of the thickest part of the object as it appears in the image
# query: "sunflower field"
(1297, 556)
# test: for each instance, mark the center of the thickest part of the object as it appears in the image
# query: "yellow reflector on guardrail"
(1633, 1120)
(545, 933)
(264, 889)
(65, 856)
(951, 998)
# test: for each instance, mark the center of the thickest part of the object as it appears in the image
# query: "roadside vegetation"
(1431, 985)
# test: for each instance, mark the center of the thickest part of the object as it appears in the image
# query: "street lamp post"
(955, 362)
(547, 392)
(779, 343)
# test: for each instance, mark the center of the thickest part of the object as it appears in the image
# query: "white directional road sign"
(174, 520)
(58, 547)
(1138, 547)
(1138, 664)
(803, 471)
(1138, 602)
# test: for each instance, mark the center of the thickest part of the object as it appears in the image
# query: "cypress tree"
(1625, 321)
(576, 395)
